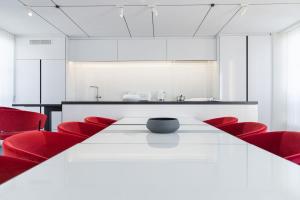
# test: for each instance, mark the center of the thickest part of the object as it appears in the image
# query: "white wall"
(7, 43)
(190, 78)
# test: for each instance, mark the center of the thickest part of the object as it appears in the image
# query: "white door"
(27, 82)
(260, 75)
(53, 81)
(233, 68)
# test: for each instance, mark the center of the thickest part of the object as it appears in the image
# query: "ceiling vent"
(40, 42)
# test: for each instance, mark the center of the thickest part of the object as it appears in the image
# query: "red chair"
(38, 146)
(81, 129)
(282, 143)
(11, 167)
(14, 121)
(7, 108)
(244, 129)
(99, 120)
(221, 121)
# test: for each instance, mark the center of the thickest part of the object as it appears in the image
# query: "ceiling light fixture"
(29, 11)
(244, 9)
(121, 12)
(154, 10)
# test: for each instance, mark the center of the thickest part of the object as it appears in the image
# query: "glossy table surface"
(128, 162)
(143, 120)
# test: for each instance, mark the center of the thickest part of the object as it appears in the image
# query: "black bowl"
(163, 125)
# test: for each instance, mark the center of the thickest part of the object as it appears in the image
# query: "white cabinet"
(142, 49)
(53, 81)
(32, 84)
(27, 82)
(40, 48)
(92, 50)
(151, 49)
(233, 68)
(55, 120)
(192, 49)
(260, 75)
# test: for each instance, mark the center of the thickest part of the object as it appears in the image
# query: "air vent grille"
(40, 42)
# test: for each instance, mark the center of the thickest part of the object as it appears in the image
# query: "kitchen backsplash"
(148, 79)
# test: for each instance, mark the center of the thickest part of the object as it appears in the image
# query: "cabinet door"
(27, 82)
(233, 68)
(141, 50)
(53, 81)
(192, 49)
(92, 50)
(40, 47)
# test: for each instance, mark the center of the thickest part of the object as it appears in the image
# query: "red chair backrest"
(244, 129)
(11, 167)
(38, 146)
(80, 129)
(221, 121)
(285, 144)
(7, 108)
(267, 141)
(19, 120)
(99, 120)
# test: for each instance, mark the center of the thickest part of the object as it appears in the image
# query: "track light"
(154, 11)
(244, 9)
(121, 12)
(29, 12)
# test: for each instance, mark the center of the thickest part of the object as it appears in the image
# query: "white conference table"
(128, 162)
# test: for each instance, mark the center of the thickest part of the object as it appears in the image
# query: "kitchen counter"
(165, 102)
(78, 110)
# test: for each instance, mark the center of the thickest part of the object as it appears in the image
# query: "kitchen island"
(78, 110)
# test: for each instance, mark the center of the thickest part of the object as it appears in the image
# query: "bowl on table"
(163, 125)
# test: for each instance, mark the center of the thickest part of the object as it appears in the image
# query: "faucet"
(97, 91)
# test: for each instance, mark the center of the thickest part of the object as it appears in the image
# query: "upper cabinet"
(40, 48)
(92, 50)
(141, 50)
(192, 49)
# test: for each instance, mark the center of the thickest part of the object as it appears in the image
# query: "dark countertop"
(36, 105)
(166, 102)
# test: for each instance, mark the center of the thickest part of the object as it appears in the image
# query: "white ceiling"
(14, 18)
(179, 18)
